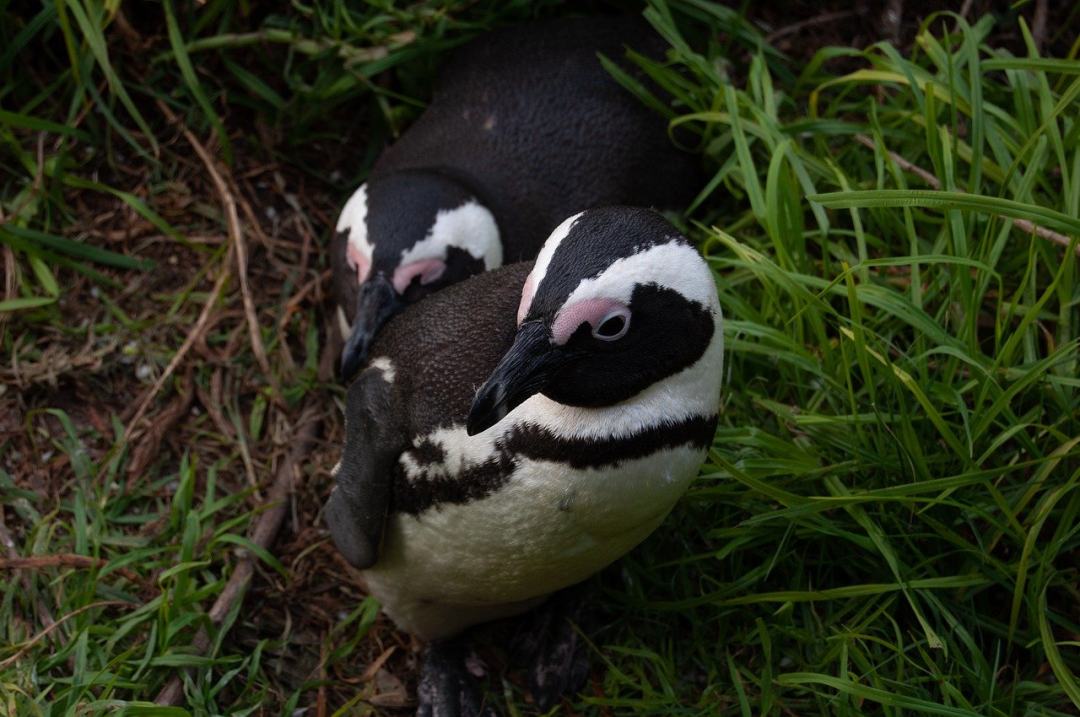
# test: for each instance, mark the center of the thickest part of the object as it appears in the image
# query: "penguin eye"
(614, 325)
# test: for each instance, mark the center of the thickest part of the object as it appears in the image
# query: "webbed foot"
(446, 688)
(554, 651)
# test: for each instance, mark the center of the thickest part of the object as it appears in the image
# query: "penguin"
(517, 432)
(525, 128)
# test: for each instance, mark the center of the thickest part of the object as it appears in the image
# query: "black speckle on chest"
(426, 453)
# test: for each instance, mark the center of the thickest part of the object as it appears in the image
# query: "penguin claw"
(446, 689)
(558, 663)
(563, 669)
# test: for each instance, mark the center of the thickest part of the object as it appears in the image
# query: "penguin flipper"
(357, 508)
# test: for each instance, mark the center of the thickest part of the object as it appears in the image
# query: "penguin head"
(408, 234)
(617, 301)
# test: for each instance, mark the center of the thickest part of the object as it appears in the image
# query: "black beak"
(375, 303)
(525, 370)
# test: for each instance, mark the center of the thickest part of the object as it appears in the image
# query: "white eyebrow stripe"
(471, 227)
(353, 219)
(543, 261)
(673, 265)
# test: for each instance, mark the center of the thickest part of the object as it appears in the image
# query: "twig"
(293, 304)
(1022, 224)
(8, 543)
(66, 560)
(1038, 24)
(266, 529)
(253, 222)
(821, 19)
(9, 274)
(297, 43)
(217, 400)
(35, 187)
(236, 237)
(894, 13)
(192, 337)
(62, 560)
(165, 421)
(45, 633)
(902, 163)
(6, 540)
(320, 699)
(331, 351)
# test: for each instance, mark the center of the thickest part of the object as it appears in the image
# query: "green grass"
(887, 522)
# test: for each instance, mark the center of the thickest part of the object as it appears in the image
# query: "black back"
(529, 119)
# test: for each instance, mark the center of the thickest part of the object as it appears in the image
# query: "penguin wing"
(357, 509)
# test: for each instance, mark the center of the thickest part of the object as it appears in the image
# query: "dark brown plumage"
(446, 346)
(439, 351)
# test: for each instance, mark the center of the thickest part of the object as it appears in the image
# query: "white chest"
(548, 527)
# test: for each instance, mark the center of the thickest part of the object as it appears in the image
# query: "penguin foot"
(553, 649)
(446, 688)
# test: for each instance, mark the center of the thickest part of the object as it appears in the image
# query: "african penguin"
(525, 128)
(517, 432)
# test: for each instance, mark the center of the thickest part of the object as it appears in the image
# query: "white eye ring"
(622, 313)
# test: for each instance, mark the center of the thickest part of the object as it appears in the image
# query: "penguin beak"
(375, 303)
(524, 371)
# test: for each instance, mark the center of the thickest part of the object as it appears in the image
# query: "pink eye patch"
(428, 270)
(356, 260)
(590, 311)
(527, 292)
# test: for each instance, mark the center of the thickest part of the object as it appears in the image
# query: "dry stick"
(144, 453)
(8, 543)
(266, 529)
(45, 633)
(823, 18)
(1038, 24)
(903, 163)
(192, 337)
(894, 14)
(6, 540)
(253, 221)
(1021, 224)
(63, 560)
(320, 698)
(235, 236)
(236, 245)
(9, 274)
(66, 560)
